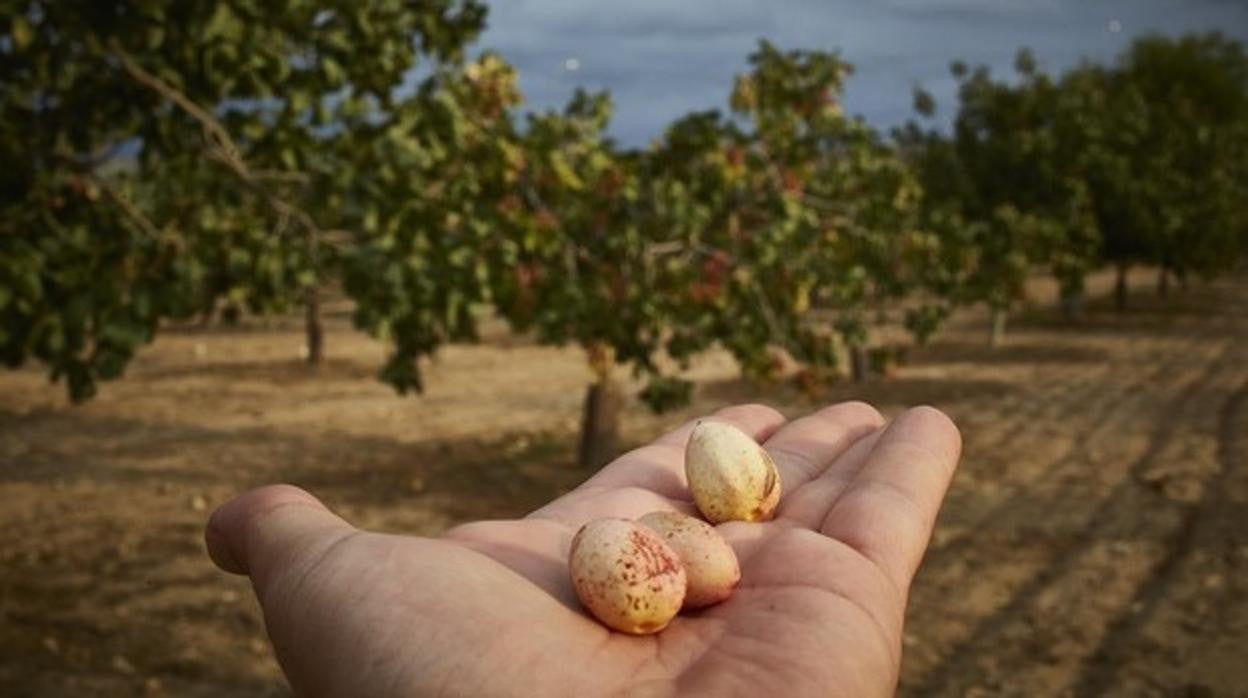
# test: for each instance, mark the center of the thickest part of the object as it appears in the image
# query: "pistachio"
(626, 576)
(711, 566)
(730, 476)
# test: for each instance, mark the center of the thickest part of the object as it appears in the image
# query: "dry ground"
(1095, 541)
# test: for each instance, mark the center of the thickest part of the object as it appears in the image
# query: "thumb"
(269, 531)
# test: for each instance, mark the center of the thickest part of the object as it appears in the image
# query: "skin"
(488, 609)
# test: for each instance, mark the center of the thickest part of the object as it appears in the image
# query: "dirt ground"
(1095, 541)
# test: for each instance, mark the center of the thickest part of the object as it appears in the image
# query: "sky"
(661, 59)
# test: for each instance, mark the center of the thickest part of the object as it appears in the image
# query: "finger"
(650, 478)
(271, 531)
(889, 508)
(804, 448)
(809, 504)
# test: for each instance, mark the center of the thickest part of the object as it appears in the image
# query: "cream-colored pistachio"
(730, 476)
(711, 566)
(626, 576)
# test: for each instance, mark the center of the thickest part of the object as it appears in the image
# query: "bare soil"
(1095, 541)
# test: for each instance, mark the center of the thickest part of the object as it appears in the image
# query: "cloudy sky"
(663, 58)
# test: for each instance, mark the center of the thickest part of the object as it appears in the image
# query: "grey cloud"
(664, 58)
(954, 10)
(682, 26)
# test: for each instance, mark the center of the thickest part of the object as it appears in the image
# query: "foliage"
(1000, 191)
(574, 255)
(793, 222)
(423, 199)
(167, 160)
(1141, 162)
(1164, 152)
(729, 233)
(166, 155)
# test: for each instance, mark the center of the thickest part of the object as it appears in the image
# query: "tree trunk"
(600, 422)
(1163, 283)
(599, 425)
(1072, 305)
(1120, 289)
(859, 362)
(207, 315)
(313, 328)
(1072, 294)
(996, 335)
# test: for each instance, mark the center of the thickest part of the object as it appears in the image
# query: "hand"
(488, 610)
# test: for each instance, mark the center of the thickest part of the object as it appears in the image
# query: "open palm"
(488, 610)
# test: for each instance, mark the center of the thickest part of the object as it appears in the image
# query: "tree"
(425, 193)
(253, 139)
(1002, 191)
(796, 223)
(721, 234)
(1101, 142)
(1181, 105)
(1159, 190)
(575, 263)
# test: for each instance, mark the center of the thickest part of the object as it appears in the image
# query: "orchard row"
(163, 162)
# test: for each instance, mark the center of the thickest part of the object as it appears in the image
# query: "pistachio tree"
(1001, 193)
(574, 258)
(169, 157)
(1168, 151)
(815, 235)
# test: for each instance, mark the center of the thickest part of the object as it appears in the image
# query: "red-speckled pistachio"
(731, 477)
(626, 576)
(710, 563)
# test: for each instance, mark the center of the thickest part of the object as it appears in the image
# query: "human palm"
(488, 609)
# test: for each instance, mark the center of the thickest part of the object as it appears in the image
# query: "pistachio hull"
(730, 476)
(626, 576)
(711, 566)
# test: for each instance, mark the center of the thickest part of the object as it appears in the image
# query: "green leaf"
(20, 32)
(663, 394)
(563, 170)
(332, 72)
(222, 24)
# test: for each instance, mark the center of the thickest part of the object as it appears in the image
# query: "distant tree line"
(1137, 163)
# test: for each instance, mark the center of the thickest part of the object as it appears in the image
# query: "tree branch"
(132, 212)
(208, 122)
(224, 149)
